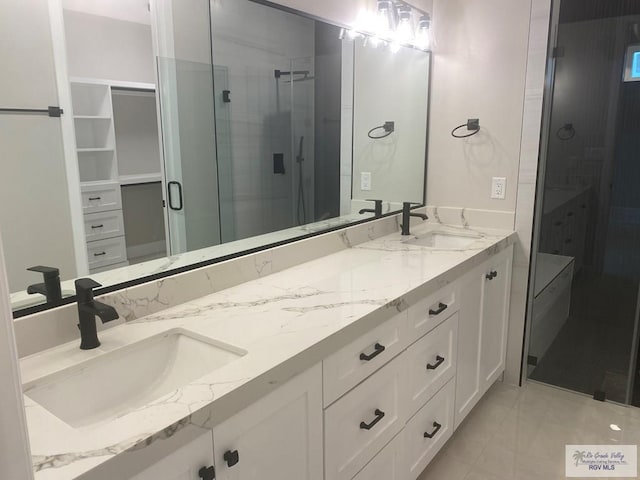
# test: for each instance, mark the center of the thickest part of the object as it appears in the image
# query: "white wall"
(102, 47)
(33, 179)
(479, 67)
(390, 87)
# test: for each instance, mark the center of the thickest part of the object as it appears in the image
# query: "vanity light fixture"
(393, 23)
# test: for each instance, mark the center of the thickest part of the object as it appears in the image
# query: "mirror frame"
(23, 312)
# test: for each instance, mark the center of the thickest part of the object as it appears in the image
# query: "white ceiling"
(129, 10)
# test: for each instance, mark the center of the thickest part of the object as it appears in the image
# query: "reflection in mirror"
(198, 130)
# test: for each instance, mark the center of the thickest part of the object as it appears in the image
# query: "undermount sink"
(444, 240)
(122, 380)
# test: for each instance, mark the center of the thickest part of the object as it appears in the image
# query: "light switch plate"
(365, 181)
(498, 187)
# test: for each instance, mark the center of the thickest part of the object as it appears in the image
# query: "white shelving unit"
(100, 176)
(98, 168)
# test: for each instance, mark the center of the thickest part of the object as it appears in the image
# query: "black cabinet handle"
(583, 206)
(379, 416)
(169, 190)
(99, 254)
(378, 349)
(231, 457)
(95, 198)
(568, 240)
(569, 214)
(97, 226)
(439, 361)
(558, 224)
(441, 308)
(207, 473)
(436, 427)
(491, 275)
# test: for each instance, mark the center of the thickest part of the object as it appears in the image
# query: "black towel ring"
(567, 127)
(473, 125)
(388, 127)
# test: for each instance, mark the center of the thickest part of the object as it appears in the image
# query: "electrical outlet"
(365, 181)
(498, 187)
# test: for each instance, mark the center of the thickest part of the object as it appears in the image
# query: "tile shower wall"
(259, 114)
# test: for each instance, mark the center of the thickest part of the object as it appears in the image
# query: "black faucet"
(406, 216)
(51, 286)
(88, 309)
(378, 208)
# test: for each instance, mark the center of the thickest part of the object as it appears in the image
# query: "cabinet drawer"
(358, 425)
(100, 198)
(431, 362)
(106, 252)
(98, 226)
(349, 366)
(431, 311)
(386, 465)
(428, 431)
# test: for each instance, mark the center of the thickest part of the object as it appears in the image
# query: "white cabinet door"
(278, 437)
(468, 379)
(495, 315)
(183, 464)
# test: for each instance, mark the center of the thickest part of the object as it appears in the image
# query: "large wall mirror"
(198, 130)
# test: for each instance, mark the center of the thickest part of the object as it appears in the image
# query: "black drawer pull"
(439, 361)
(97, 226)
(436, 427)
(207, 473)
(569, 214)
(491, 275)
(568, 240)
(99, 254)
(231, 457)
(95, 198)
(441, 308)
(378, 350)
(379, 416)
(558, 224)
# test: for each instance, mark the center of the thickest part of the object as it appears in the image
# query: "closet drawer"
(430, 312)
(428, 431)
(98, 226)
(349, 366)
(100, 198)
(358, 425)
(386, 465)
(106, 252)
(431, 362)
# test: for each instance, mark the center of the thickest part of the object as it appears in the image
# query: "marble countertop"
(287, 322)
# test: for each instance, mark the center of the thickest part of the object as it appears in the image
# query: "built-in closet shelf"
(92, 117)
(142, 178)
(89, 150)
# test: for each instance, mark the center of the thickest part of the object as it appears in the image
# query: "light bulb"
(394, 47)
(423, 37)
(404, 31)
(385, 23)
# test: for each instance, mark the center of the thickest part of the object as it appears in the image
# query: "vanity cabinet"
(278, 437)
(482, 333)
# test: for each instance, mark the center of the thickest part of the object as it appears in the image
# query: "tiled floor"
(521, 433)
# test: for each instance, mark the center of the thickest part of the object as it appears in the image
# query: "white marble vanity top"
(286, 322)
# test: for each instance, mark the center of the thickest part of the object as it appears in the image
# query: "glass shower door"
(584, 311)
(191, 170)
